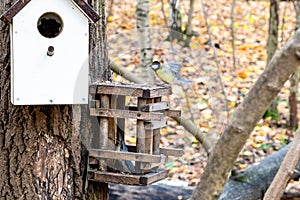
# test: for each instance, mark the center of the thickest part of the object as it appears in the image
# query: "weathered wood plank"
(128, 179)
(150, 166)
(108, 177)
(104, 123)
(121, 121)
(156, 132)
(163, 150)
(140, 135)
(171, 152)
(173, 113)
(144, 91)
(154, 177)
(126, 114)
(121, 155)
(169, 113)
(164, 105)
(152, 125)
(148, 133)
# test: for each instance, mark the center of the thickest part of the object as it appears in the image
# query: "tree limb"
(248, 113)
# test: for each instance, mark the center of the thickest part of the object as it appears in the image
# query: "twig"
(163, 12)
(186, 123)
(232, 35)
(188, 104)
(285, 171)
(215, 53)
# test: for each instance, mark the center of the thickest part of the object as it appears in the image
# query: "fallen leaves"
(206, 99)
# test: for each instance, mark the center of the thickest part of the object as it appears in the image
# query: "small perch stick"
(186, 123)
(285, 171)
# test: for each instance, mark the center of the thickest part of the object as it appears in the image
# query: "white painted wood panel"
(41, 79)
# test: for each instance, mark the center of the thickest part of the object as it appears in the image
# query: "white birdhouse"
(49, 51)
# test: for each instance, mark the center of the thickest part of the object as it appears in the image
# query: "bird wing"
(174, 67)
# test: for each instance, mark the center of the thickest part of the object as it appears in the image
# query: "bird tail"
(182, 81)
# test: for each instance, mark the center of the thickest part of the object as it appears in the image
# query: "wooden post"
(149, 134)
(156, 134)
(140, 135)
(121, 121)
(104, 122)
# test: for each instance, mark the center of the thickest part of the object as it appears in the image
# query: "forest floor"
(204, 101)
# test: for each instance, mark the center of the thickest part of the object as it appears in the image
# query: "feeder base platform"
(128, 179)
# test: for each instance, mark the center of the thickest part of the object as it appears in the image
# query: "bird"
(169, 73)
(128, 164)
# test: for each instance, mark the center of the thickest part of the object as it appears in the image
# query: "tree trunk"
(272, 44)
(144, 39)
(294, 81)
(99, 71)
(175, 21)
(248, 113)
(40, 147)
(272, 41)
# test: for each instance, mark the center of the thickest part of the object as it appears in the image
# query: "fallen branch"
(285, 171)
(186, 123)
(252, 183)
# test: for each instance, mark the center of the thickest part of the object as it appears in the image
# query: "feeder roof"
(84, 7)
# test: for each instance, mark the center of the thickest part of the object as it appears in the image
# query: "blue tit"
(129, 165)
(169, 73)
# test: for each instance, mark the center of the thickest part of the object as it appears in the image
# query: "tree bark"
(99, 71)
(272, 41)
(294, 81)
(144, 39)
(40, 147)
(272, 44)
(248, 113)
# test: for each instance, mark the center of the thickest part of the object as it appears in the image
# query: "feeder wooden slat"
(152, 125)
(155, 106)
(173, 113)
(154, 177)
(103, 112)
(171, 152)
(147, 179)
(140, 157)
(163, 150)
(144, 91)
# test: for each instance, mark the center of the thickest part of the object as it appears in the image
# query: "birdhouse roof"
(86, 9)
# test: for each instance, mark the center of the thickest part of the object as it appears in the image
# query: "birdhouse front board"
(49, 51)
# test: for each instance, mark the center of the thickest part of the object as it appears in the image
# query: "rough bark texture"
(294, 81)
(248, 113)
(144, 39)
(272, 41)
(98, 44)
(39, 146)
(99, 71)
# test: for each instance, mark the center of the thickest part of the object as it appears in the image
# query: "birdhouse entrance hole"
(50, 25)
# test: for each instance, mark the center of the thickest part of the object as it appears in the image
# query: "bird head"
(155, 65)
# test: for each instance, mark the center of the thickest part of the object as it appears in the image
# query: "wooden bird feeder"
(150, 113)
